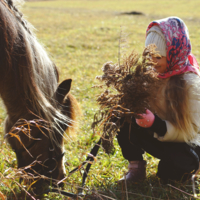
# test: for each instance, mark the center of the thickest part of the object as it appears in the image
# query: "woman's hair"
(177, 107)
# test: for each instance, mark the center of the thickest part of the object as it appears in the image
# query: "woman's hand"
(147, 119)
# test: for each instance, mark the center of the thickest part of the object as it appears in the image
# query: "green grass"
(81, 36)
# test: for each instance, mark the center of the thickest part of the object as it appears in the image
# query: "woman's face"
(161, 64)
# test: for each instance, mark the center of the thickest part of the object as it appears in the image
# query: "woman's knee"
(180, 168)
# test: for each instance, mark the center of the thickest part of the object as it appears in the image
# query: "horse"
(39, 110)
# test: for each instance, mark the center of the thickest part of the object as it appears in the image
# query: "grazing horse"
(38, 109)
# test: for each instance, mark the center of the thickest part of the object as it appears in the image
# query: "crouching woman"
(169, 129)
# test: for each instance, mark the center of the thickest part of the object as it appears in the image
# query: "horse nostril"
(48, 163)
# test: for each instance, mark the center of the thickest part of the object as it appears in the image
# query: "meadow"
(80, 36)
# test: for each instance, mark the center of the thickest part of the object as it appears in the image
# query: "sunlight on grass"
(81, 36)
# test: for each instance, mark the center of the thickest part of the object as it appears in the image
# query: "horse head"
(38, 154)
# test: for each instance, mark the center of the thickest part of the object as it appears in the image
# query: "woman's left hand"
(147, 119)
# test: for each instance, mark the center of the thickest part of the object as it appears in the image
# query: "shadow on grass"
(151, 188)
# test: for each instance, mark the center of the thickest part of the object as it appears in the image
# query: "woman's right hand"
(147, 119)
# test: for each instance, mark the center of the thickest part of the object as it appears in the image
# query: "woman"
(169, 130)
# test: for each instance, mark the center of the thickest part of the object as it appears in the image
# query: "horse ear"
(62, 90)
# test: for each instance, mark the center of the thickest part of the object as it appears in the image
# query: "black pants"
(178, 161)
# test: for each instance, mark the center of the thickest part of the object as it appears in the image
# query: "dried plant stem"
(126, 93)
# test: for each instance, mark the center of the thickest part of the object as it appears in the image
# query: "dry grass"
(128, 88)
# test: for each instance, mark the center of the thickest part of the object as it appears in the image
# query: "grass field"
(80, 37)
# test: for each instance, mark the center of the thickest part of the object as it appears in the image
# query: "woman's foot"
(136, 172)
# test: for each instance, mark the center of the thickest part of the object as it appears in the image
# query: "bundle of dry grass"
(127, 88)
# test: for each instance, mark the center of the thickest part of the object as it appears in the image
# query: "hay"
(126, 92)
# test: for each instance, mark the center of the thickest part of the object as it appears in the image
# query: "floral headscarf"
(179, 57)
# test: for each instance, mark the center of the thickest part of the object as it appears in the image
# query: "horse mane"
(33, 75)
(13, 5)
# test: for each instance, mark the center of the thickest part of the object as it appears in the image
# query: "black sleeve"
(159, 126)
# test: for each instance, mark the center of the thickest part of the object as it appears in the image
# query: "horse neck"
(13, 98)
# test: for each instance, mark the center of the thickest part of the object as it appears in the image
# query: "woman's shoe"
(136, 172)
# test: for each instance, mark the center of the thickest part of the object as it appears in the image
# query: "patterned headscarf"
(179, 57)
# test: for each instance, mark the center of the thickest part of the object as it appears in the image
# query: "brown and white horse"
(38, 109)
